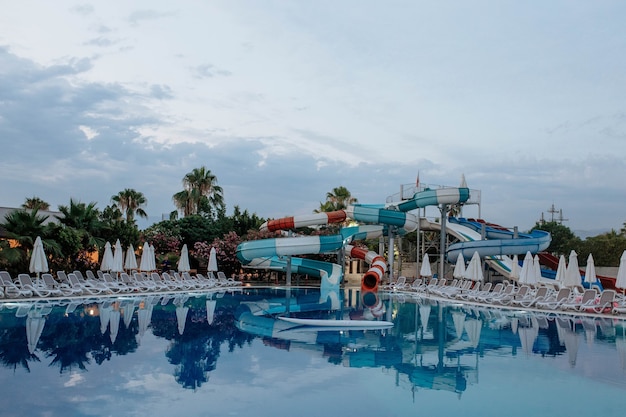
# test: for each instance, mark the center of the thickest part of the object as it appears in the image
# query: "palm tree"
(340, 198)
(22, 227)
(85, 218)
(325, 207)
(36, 203)
(200, 192)
(130, 203)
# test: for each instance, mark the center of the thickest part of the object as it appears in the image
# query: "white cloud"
(284, 101)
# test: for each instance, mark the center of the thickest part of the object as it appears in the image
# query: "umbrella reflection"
(528, 336)
(35, 323)
(568, 337)
(181, 318)
(210, 310)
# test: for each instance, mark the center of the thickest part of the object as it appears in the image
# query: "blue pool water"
(226, 354)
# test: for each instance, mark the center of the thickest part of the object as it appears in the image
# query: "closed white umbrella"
(620, 282)
(212, 261)
(152, 258)
(536, 270)
(118, 258)
(38, 260)
(425, 270)
(560, 271)
(572, 273)
(144, 263)
(527, 271)
(183, 262)
(130, 262)
(459, 267)
(590, 271)
(474, 269)
(107, 258)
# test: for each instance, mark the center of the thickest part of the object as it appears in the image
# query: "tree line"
(200, 221)
(83, 228)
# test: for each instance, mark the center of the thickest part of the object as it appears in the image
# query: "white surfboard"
(338, 323)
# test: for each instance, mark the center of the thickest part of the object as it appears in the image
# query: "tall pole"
(288, 272)
(442, 241)
(417, 246)
(391, 254)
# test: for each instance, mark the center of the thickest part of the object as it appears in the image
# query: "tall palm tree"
(130, 203)
(200, 190)
(36, 203)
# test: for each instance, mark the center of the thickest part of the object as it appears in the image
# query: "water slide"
(275, 253)
(493, 243)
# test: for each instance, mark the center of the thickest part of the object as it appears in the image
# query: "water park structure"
(497, 246)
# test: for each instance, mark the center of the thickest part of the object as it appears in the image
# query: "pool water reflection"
(217, 354)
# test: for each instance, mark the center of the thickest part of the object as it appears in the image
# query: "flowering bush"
(225, 249)
(165, 244)
(201, 250)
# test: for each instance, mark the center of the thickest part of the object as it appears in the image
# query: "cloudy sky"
(285, 100)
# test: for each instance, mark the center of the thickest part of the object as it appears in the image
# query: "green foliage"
(23, 227)
(196, 228)
(563, 239)
(70, 245)
(337, 199)
(126, 232)
(242, 222)
(35, 203)
(606, 248)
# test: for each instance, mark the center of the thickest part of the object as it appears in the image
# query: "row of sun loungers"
(75, 284)
(523, 296)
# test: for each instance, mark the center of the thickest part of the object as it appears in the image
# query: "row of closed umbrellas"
(473, 270)
(115, 260)
(567, 274)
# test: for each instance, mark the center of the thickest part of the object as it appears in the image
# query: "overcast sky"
(285, 100)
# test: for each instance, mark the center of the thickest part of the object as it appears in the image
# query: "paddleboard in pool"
(338, 323)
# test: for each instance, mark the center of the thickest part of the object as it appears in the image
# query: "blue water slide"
(497, 242)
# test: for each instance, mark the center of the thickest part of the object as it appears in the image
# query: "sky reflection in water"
(226, 354)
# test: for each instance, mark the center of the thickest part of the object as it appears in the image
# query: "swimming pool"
(219, 354)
